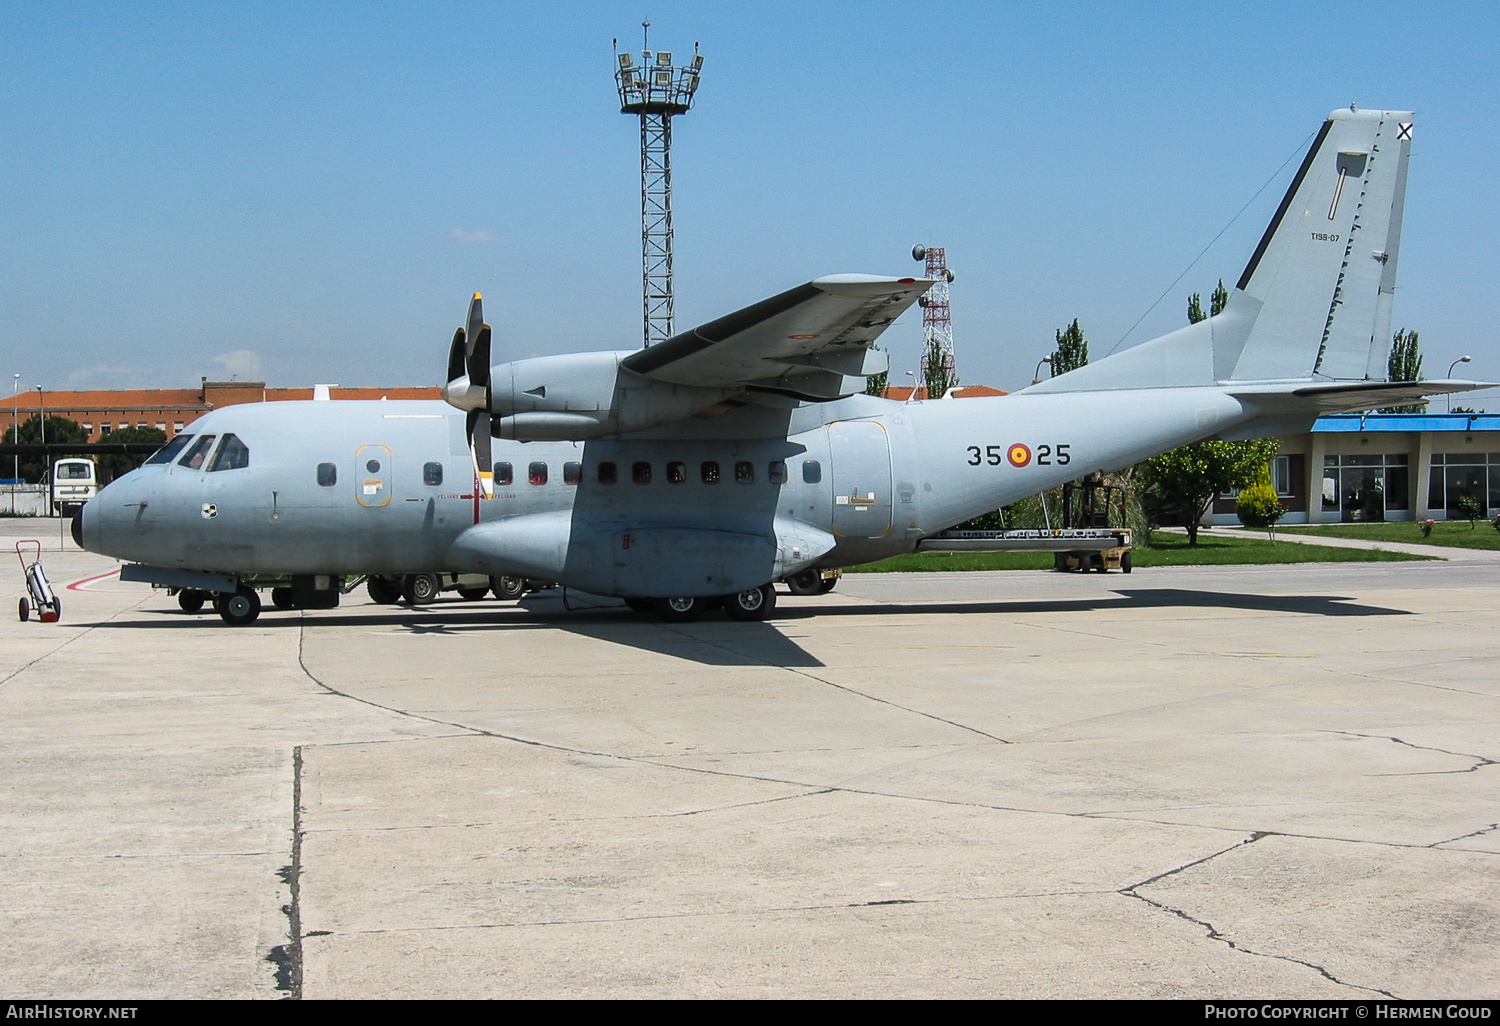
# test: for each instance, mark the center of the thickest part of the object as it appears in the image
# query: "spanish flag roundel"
(1018, 454)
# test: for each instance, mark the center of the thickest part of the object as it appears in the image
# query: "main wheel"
(508, 588)
(805, 582)
(281, 598)
(751, 604)
(190, 600)
(25, 610)
(384, 590)
(681, 610)
(420, 589)
(827, 585)
(473, 594)
(241, 608)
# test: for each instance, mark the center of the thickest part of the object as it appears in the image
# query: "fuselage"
(716, 505)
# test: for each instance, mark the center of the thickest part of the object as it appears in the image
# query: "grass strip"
(1165, 550)
(1450, 533)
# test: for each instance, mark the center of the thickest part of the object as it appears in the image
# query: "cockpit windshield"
(169, 452)
(233, 454)
(198, 453)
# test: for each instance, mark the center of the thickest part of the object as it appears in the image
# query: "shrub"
(1258, 506)
(1470, 509)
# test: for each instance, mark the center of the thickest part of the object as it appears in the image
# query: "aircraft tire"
(383, 590)
(190, 600)
(472, 594)
(681, 610)
(420, 589)
(281, 598)
(827, 585)
(805, 582)
(508, 589)
(25, 610)
(241, 608)
(751, 604)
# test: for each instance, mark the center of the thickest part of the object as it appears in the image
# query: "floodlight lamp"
(626, 60)
(664, 58)
(697, 63)
(690, 83)
(663, 79)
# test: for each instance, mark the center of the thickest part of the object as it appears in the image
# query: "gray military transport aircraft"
(743, 451)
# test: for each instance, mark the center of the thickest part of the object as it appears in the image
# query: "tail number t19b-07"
(1018, 454)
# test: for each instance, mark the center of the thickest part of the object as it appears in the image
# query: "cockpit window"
(233, 454)
(169, 453)
(195, 456)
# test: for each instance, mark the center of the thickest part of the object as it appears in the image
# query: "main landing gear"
(750, 604)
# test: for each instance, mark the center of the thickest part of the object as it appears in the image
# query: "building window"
(88, 429)
(1281, 476)
(177, 425)
(1363, 488)
(1456, 475)
(161, 425)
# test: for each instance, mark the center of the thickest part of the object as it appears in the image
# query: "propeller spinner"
(468, 388)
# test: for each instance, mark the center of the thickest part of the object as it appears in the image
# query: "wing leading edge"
(811, 342)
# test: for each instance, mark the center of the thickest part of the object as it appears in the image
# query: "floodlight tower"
(656, 90)
(937, 319)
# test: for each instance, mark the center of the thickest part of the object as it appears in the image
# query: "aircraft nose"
(77, 529)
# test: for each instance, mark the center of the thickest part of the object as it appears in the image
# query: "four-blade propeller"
(468, 388)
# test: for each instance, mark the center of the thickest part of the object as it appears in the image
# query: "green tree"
(1405, 364)
(938, 378)
(876, 384)
(1217, 302)
(113, 465)
(60, 430)
(1187, 479)
(1072, 350)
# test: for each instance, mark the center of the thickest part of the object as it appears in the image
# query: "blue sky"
(309, 192)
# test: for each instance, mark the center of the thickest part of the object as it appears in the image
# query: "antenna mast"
(937, 320)
(656, 90)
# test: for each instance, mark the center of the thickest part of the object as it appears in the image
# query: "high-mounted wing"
(811, 342)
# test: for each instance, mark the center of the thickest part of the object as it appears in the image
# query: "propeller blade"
(474, 322)
(456, 361)
(479, 360)
(480, 442)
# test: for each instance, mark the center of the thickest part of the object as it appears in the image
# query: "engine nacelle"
(585, 395)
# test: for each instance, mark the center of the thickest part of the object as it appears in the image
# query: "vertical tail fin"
(1315, 299)
(1325, 271)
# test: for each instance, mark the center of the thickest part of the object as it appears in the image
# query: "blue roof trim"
(1353, 422)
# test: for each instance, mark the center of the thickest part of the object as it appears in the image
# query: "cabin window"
(640, 472)
(432, 474)
(537, 473)
(233, 454)
(503, 474)
(572, 473)
(676, 472)
(709, 472)
(812, 471)
(195, 456)
(777, 472)
(170, 450)
(608, 473)
(373, 466)
(744, 472)
(328, 475)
